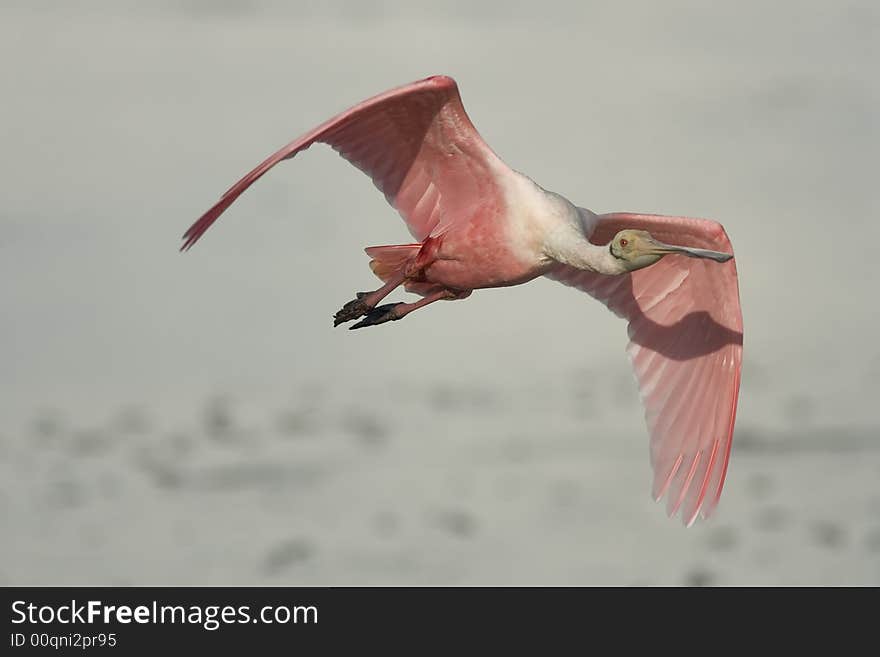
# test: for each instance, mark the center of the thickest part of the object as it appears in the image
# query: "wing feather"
(685, 330)
(418, 146)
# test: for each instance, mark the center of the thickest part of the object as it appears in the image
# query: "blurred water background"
(194, 419)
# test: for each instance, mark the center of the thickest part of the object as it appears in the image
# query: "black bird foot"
(379, 315)
(352, 310)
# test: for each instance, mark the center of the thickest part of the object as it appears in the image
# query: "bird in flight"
(477, 224)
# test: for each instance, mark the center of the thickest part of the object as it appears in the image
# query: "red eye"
(623, 242)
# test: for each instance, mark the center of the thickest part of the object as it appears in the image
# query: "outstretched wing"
(419, 147)
(685, 330)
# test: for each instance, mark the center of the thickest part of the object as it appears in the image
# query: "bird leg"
(366, 301)
(391, 312)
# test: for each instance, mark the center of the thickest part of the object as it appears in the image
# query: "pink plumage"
(402, 139)
(480, 224)
(685, 330)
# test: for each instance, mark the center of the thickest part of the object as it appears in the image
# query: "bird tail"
(389, 260)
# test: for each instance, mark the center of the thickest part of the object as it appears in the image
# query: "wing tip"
(441, 81)
(192, 235)
(203, 223)
(699, 508)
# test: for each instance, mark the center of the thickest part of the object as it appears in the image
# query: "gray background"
(184, 419)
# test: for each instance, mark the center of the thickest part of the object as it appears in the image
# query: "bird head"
(637, 249)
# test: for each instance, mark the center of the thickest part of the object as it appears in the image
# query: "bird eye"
(624, 242)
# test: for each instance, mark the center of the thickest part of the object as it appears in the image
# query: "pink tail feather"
(388, 260)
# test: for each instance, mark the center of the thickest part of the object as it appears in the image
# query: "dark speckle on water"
(456, 522)
(90, 442)
(828, 534)
(748, 438)
(287, 554)
(165, 475)
(785, 94)
(296, 423)
(565, 493)
(386, 524)
(179, 444)
(367, 427)
(699, 576)
(219, 420)
(234, 476)
(722, 539)
(771, 518)
(162, 470)
(799, 410)
(47, 426)
(132, 420)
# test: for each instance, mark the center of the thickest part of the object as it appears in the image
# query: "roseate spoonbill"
(480, 224)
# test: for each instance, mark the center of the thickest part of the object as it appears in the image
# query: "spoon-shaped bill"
(661, 249)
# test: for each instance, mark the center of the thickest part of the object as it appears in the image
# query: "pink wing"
(416, 143)
(685, 330)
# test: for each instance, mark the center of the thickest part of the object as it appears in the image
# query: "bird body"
(480, 224)
(509, 243)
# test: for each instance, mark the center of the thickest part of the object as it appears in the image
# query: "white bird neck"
(569, 245)
(582, 254)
